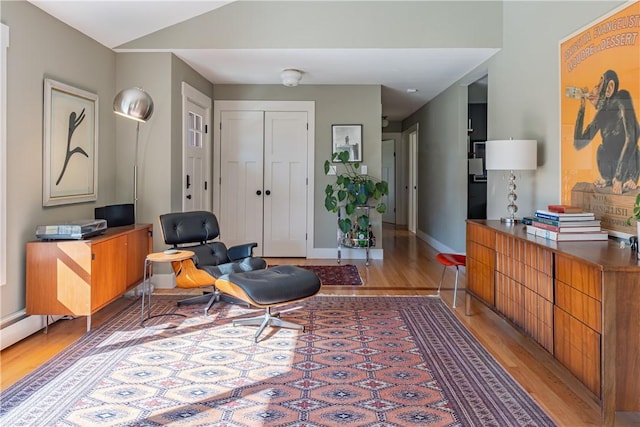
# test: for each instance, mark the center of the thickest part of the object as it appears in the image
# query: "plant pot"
(362, 189)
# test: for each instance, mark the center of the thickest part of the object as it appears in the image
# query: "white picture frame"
(70, 155)
(347, 138)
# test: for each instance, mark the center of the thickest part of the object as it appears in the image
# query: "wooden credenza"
(79, 277)
(579, 300)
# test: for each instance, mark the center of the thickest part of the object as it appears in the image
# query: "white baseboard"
(439, 246)
(17, 330)
(21, 329)
(158, 281)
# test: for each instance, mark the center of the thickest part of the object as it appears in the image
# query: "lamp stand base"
(510, 221)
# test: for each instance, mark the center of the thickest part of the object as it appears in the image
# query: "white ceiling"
(430, 71)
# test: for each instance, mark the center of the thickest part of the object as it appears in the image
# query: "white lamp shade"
(512, 154)
(133, 103)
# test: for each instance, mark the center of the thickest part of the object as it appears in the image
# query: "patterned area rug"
(336, 275)
(363, 361)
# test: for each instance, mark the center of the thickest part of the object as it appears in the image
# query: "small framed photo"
(70, 170)
(479, 153)
(347, 138)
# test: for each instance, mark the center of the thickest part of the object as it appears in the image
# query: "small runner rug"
(336, 275)
(362, 361)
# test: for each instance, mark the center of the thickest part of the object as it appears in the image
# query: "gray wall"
(523, 97)
(154, 153)
(160, 144)
(334, 105)
(522, 103)
(43, 47)
(442, 170)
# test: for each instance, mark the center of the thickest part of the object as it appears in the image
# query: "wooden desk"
(579, 300)
(79, 277)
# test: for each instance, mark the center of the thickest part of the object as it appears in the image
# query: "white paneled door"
(241, 177)
(196, 155)
(263, 180)
(285, 183)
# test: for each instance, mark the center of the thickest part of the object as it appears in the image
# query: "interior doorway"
(412, 193)
(389, 175)
(476, 138)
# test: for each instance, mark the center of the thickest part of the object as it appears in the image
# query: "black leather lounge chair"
(196, 231)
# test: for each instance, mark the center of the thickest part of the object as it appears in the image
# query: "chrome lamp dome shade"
(133, 103)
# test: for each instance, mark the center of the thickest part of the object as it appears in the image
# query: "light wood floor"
(409, 268)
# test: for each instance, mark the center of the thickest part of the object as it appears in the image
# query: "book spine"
(538, 220)
(547, 216)
(547, 234)
(592, 229)
(547, 226)
(564, 209)
(565, 217)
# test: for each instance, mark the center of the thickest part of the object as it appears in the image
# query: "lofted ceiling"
(409, 77)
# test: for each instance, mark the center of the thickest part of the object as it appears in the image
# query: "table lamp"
(511, 155)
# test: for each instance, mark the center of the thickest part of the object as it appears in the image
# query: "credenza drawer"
(579, 275)
(481, 254)
(581, 306)
(481, 235)
(577, 347)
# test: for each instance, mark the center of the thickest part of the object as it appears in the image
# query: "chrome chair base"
(268, 319)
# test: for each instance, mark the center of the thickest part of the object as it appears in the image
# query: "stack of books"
(566, 223)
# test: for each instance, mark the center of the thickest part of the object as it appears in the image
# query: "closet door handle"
(268, 192)
(258, 192)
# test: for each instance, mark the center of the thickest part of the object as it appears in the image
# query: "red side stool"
(451, 260)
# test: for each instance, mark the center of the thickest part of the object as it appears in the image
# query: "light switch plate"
(332, 170)
(363, 169)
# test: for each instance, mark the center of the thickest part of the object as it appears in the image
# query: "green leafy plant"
(352, 189)
(636, 210)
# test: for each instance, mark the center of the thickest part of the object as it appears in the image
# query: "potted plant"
(636, 212)
(352, 189)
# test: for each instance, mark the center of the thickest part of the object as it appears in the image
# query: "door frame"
(391, 211)
(412, 196)
(194, 96)
(307, 106)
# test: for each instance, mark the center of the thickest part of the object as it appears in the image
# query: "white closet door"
(241, 182)
(285, 184)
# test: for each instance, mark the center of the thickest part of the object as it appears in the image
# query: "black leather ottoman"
(270, 288)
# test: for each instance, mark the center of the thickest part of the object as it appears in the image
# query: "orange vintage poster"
(599, 129)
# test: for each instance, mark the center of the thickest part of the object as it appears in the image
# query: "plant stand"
(354, 242)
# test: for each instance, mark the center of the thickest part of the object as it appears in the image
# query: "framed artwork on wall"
(70, 170)
(599, 97)
(479, 153)
(347, 138)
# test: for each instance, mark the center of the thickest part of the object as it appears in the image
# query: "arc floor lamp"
(135, 104)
